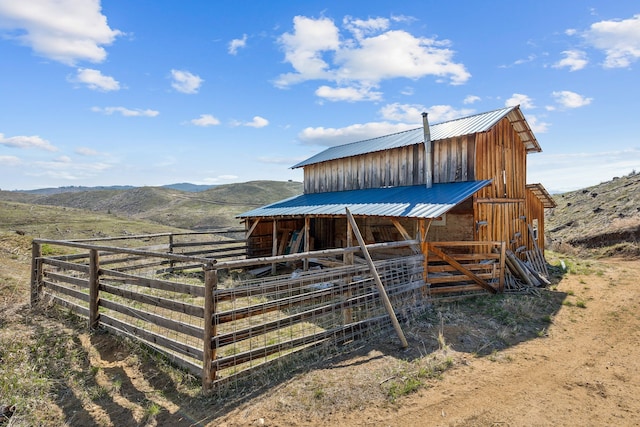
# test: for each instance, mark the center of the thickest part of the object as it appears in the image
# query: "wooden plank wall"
(454, 159)
(535, 210)
(260, 243)
(504, 222)
(501, 156)
(389, 168)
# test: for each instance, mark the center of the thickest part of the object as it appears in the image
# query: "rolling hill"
(208, 209)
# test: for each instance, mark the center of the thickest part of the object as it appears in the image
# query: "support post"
(171, 262)
(424, 247)
(503, 256)
(376, 277)
(347, 259)
(36, 272)
(274, 244)
(210, 329)
(307, 245)
(94, 285)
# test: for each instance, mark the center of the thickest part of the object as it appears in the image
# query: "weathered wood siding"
(260, 243)
(454, 159)
(501, 156)
(535, 211)
(503, 222)
(390, 168)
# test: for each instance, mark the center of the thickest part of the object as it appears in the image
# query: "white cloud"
(396, 118)
(536, 125)
(412, 113)
(126, 112)
(205, 120)
(443, 113)
(26, 142)
(361, 28)
(568, 99)
(258, 122)
(519, 99)
(10, 161)
(303, 49)
(407, 91)
(357, 132)
(94, 79)
(86, 151)
(407, 113)
(567, 172)
(620, 40)
(470, 99)
(64, 168)
(316, 51)
(66, 31)
(185, 82)
(236, 44)
(350, 94)
(573, 59)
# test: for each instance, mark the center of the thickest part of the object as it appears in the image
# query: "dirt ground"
(578, 367)
(584, 370)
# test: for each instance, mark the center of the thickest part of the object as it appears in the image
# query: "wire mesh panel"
(260, 320)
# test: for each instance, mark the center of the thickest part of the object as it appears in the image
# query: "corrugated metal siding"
(450, 129)
(416, 201)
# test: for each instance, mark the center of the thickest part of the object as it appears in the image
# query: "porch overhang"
(415, 201)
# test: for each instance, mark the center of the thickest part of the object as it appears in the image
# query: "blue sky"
(153, 92)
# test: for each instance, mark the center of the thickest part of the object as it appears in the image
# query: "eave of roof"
(415, 201)
(450, 129)
(543, 195)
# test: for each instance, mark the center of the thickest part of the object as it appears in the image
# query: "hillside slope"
(604, 218)
(213, 208)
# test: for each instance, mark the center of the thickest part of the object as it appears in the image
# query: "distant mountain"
(186, 186)
(183, 186)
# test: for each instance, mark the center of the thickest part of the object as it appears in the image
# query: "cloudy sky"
(154, 92)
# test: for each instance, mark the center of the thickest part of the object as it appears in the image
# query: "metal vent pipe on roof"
(428, 147)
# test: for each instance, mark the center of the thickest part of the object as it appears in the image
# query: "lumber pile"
(522, 275)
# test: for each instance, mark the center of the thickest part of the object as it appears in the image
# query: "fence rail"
(195, 297)
(161, 293)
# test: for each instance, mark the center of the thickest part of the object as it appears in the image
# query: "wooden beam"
(209, 354)
(404, 233)
(94, 285)
(274, 244)
(253, 227)
(306, 234)
(461, 268)
(376, 277)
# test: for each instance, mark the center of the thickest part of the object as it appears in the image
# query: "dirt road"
(583, 370)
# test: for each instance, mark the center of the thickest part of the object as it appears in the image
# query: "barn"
(459, 187)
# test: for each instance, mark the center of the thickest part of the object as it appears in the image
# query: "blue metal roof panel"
(450, 129)
(415, 201)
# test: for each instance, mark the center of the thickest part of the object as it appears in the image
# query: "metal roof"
(542, 194)
(416, 201)
(453, 128)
